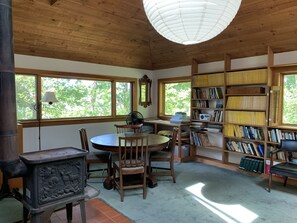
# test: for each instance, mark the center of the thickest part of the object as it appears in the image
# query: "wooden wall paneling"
(108, 31)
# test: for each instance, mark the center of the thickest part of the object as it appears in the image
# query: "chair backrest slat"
(84, 139)
(128, 128)
(173, 140)
(133, 150)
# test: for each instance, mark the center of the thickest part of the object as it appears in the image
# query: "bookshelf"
(251, 124)
(207, 111)
(246, 115)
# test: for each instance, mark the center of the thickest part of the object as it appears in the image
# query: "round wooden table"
(110, 142)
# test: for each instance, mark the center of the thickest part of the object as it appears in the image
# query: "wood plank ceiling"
(117, 32)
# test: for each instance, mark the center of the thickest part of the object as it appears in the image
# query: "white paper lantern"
(190, 21)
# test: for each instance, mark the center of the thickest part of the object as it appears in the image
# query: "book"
(261, 167)
(260, 149)
(204, 139)
(242, 163)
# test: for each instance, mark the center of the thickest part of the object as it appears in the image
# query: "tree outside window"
(289, 114)
(174, 96)
(78, 97)
(26, 92)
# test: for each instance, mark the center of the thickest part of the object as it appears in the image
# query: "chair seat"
(102, 155)
(285, 169)
(138, 169)
(160, 154)
(165, 133)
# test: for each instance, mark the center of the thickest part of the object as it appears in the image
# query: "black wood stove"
(55, 177)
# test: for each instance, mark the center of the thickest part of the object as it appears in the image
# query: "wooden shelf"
(216, 148)
(197, 108)
(243, 154)
(245, 139)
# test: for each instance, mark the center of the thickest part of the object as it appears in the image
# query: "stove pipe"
(9, 160)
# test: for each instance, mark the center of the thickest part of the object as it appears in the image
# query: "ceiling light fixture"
(190, 21)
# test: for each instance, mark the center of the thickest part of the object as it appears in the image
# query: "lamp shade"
(49, 97)
(190, 21)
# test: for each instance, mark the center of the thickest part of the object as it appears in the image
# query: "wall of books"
(236, 114)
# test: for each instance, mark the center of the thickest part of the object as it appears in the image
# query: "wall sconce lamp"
(50, 98)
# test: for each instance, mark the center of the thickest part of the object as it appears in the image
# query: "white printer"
(180, 117)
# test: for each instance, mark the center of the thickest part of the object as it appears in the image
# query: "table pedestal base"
(108, 183)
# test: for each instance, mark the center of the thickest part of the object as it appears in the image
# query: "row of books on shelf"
(215, 79)
(252, 165)
(208, 104)
(206, 127)
(247, 102)
(276, 135)
(207, 93)
(246, 147)
(246, 117)
(218, 116)
(243, 131)
(278, 156)
(199, 139)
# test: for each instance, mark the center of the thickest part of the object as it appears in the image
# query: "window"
(26, 91)
(80, 96)
(289, 114)
(123, 98)
(77, 98)
(175, 96)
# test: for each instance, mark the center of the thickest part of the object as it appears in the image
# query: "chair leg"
(121, 187)
(114, 178)
(109, 172)
(285, 181)
(144, 186)
(270, 181)
(150, 167)
(172, 170)
(83, 211)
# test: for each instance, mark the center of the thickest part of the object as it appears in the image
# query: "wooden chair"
(284, 168)
(166, 155)
(95, 157)
(128, 128)
(132, 154)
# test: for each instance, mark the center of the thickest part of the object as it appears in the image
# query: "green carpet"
(213, 195)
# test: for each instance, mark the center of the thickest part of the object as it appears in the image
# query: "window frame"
(161, 93)
(68, 121)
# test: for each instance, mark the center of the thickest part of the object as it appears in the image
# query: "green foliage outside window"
(177, 98)
(25, 96)
(289, 99)
(123, 98)
(76, 97)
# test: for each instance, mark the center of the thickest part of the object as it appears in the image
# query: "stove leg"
(25, 214)
(69, 212)
(83, 211)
